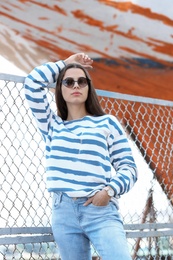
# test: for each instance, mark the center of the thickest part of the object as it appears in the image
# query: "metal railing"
(25, 228)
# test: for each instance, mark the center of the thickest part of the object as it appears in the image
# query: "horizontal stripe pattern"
(83, 155)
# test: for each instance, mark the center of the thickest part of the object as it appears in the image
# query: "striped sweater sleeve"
(35, 93)
(122, 159)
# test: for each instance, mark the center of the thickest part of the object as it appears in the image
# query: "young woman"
(82, 147)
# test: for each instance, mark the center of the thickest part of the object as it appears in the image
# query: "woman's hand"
(80, 58)
(101, 198)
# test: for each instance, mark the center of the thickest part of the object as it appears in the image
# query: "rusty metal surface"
(131, 41)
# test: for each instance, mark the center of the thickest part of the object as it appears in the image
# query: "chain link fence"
(25, 202)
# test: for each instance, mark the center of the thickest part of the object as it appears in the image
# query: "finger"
(86, 56)
(89, 201)
(87, 66)
(87, 63)
(88, 59)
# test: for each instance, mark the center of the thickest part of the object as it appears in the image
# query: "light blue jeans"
(76, 226)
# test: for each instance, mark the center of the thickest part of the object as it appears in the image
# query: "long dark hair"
(92, 104)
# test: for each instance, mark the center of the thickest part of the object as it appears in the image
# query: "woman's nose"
(76, 85)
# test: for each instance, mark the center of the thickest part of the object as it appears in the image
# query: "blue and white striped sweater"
(83, 155)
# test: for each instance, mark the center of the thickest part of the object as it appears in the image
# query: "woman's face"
(74, 93)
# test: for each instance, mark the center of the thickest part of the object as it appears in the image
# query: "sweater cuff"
(60, 64)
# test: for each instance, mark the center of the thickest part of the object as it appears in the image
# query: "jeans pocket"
(100, 207)
(56, 200)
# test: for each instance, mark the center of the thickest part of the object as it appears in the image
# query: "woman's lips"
(76, 93)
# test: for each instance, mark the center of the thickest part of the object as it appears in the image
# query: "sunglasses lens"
(82, 82)
(69, 82)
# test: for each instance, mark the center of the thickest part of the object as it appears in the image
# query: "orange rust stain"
(126, 6)
(6, 8)
(23, 1)
(163, 47)
(16, 6)
(79, 32)
(111, 28)
(93, 22)
(59, 29)
(55, 8)
(87, 19)
(43, 18)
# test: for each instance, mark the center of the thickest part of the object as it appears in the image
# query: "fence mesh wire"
(25, 202)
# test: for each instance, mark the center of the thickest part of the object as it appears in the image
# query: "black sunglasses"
(69, 82)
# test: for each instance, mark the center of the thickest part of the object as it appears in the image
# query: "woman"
(83, 145)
